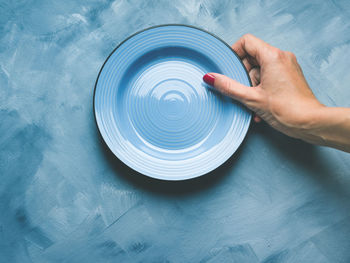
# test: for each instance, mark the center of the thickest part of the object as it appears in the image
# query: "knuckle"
(280, 54)
(291, 55)
(254, 76)
(248, 36)
(277, 54)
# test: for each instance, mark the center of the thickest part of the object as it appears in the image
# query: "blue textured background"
(65, 198)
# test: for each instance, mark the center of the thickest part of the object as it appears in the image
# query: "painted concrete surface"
(65, 198)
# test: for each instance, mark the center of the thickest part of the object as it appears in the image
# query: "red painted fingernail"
(209, 79)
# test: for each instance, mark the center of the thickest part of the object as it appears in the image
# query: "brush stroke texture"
(65, 198)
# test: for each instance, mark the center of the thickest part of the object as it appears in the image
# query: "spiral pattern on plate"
(157, 115)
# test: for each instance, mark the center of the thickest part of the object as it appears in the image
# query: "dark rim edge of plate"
(121, 43)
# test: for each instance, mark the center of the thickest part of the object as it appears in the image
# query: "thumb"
(230, 87)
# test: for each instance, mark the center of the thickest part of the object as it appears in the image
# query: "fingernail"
(209, 79)
(257, 119)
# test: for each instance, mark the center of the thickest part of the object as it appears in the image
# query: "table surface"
(65, 198)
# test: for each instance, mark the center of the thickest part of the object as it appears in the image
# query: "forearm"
(330, 127)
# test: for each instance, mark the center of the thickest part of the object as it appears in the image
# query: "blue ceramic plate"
(155, 112)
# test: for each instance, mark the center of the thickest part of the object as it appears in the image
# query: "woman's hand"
(281, 96)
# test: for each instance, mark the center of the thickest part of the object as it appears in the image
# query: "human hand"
(280, 94)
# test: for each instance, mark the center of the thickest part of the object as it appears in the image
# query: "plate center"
(168, 106)
(173, 102)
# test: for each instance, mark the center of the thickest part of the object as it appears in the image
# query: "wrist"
(329, 126)
(318, 122)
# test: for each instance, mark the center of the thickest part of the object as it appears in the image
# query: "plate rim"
(120, 44)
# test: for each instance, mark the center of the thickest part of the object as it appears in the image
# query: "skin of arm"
(281, 96)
